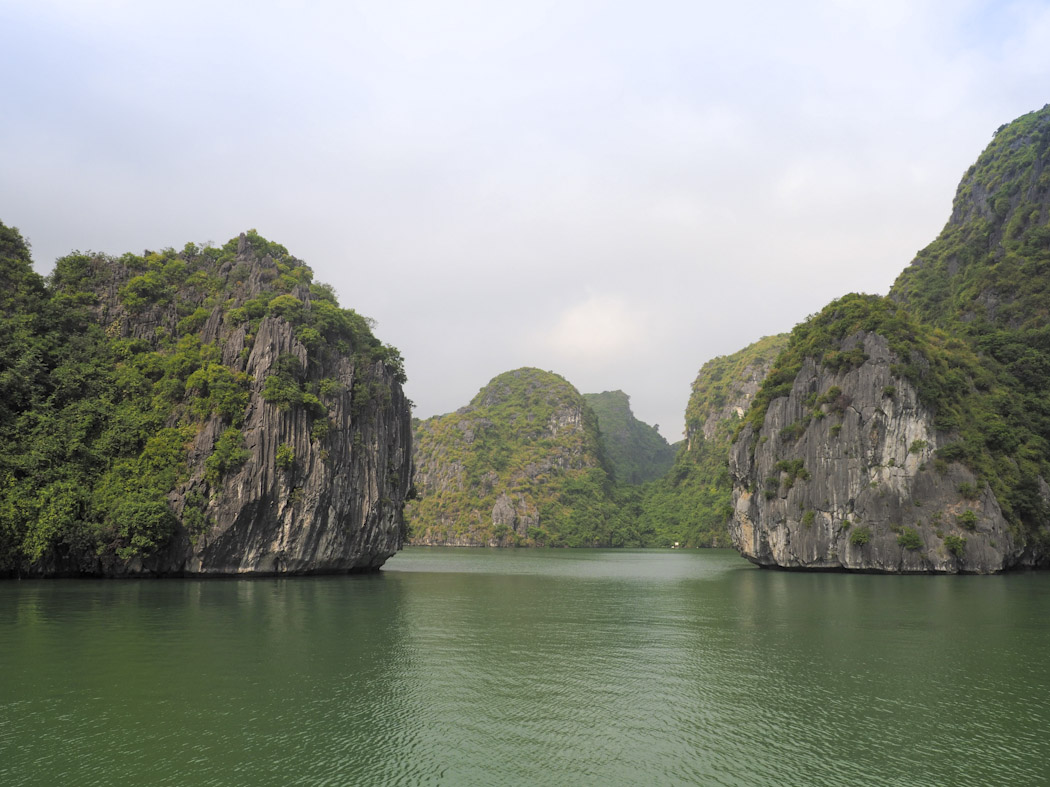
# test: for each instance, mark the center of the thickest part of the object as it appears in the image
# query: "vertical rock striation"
(337, 506)
(910, 433)
(841, 475)
(266, 428)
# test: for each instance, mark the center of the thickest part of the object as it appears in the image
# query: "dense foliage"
(635, 451)
(108, 373)
(986, 279)
(990, 266)
(692, 503)
(530, 440)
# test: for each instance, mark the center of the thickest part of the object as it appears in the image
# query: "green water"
(481, 667)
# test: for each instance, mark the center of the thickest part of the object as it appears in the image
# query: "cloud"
(614, 192)
(597, 331)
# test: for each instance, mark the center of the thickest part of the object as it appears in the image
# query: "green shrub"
(195, 321)
(215, 388)
(195, 515)
(967, 519)
(311, 337)
(143, 522)
(284, 389)
(909, 538)
(285, 456)
(793, 468)
(320, 428)
(281, 392)
(838, 360)
(329, 386)
(236, 316)
(955, 544)
(287, 306)
(145, 290)
(229, 454)
(860, 536)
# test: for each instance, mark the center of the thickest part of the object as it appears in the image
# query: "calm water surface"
(481, 667)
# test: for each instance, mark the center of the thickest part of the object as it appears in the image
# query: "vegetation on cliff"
(115, 369)
(986, 279)
(967, 324)
(692, 503)
(523, 464)
(989, 269)
(635, 451)
(497, 473)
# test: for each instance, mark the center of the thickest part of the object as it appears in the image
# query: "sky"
(614, 191)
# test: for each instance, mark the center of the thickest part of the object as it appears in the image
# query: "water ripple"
(566, 669)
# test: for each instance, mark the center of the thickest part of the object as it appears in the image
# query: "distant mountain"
(912, 433)
(522, 464)
(635, 451)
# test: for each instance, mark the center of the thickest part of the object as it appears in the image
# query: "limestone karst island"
(215, 411)
(209, 411)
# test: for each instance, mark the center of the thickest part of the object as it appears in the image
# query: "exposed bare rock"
(853, 484)
(318, 478)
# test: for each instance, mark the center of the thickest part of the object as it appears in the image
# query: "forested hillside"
(635, 451)
(202, 411)
(522, 464)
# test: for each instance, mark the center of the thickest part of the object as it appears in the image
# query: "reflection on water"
(528, 667)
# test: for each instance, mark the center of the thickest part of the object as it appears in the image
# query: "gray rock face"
(744, 390)
(333, 500)
(846, 479)
(336, 508)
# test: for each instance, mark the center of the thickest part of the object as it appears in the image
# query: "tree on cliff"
(124, 385)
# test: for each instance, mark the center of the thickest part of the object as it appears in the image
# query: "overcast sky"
(615, 191)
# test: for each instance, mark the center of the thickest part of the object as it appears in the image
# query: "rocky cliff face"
(690, 505)
(724, 388)
(306, 499)
(334, 505)
(908, 433)
(736, 404)
(496, 473)
(289, 435)
(988, 264)
(842, 474)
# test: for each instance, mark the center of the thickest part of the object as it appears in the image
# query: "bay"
(517, 667)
